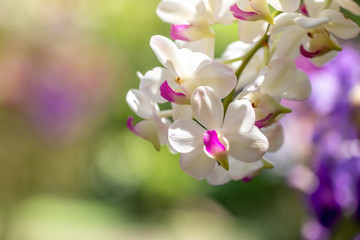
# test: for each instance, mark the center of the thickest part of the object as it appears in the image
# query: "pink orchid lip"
(177, 32)
(130, 125)
(172, 96)
(212, 143)
(303, 10)
(215, 149)
(263, 122)
(252, 175)
(308, 54)
(247, 179)
(242, 15)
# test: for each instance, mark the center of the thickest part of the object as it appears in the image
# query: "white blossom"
(201, 146)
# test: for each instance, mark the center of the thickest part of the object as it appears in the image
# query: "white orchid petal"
(240, 117)
(321, 60)
(185, 135)
(148, 130)
(162, 124)
(190, 62)
(150, 83)
(181, 111)
(140, 104)
(239, 170)
(255, 85)
(250, 32)
(275, 136)
(290, 41)
(283, 21)
(251, 71)
(279, 77)
(166, 51)
(301, 89)
(340, 25)
(248, 147)
(139, 74)
(314, 6)
(285, 5)
(205, 46)
(350, 5)
(225, 17)
(214, 8)
(197, 164)
(204, 14)
(218, 176)
(262, 7)
(176, 12)
(308, 23)
(216, 75)
(207, 108)
(236, 49)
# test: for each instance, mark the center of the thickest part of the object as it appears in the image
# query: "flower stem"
(246, 59)
(232, 60)
(266, 56)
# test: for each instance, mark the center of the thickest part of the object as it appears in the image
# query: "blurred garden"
(71, 170)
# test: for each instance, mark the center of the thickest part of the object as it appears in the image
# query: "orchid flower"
(247, 170)
(279, 80)
(254, 16)
(234, 54)
(312, 36)
(204, 145)
(185, 71)
(154, 128)
(191, 19)
(225, 112)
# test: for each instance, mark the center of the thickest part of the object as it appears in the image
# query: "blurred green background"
(70, 169)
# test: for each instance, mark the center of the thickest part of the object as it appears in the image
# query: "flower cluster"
(224, 112)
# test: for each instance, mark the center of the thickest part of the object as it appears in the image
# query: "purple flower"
(335, 158)
(322, 200)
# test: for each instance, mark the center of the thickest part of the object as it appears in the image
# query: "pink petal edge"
(172, 96)
(212, 144)
(242, 15)
(177, 32)
(130, 125)
(263, 122)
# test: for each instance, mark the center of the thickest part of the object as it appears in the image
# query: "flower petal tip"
(130, 125)
(215, 149)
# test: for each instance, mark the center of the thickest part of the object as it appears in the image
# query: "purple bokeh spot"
(313, 230)
(55, 106)
(323, 202)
